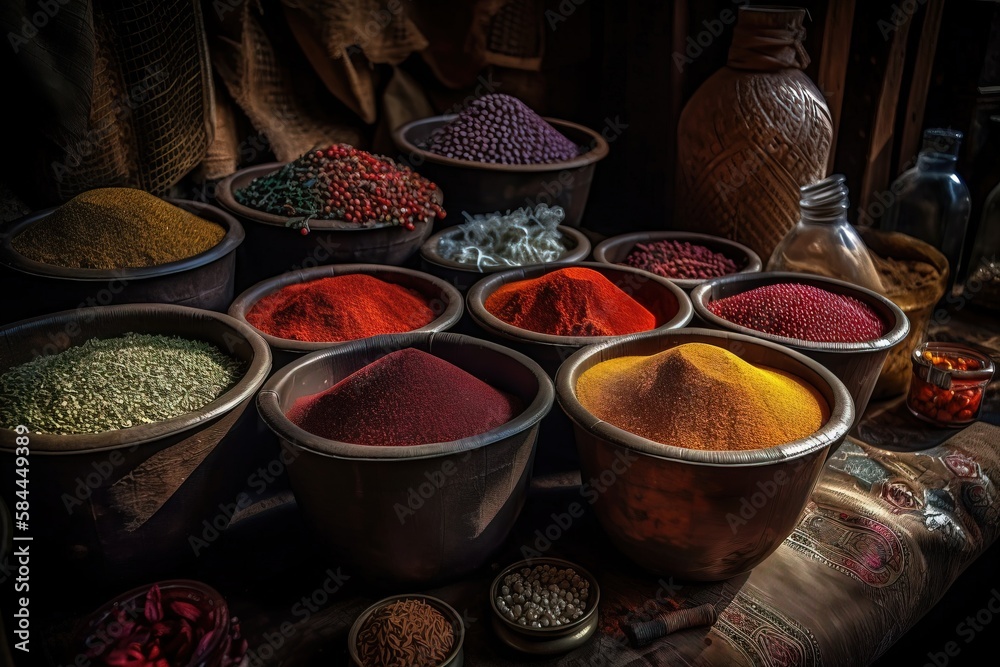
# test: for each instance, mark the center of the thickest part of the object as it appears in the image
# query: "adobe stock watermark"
(767, 490)
(32, 24)
(561, 13)
(967, 630)
(899, 14)
(417, 497)
(695, 45)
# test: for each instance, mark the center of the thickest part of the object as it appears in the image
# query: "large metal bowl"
(481, 187)
(417, 514)
(615, 249)
(464, 276)
(444, 300)
(857, 365)
(700, 515)
(124, 503)
(204, 280)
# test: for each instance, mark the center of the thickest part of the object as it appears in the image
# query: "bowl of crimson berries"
(332, 205)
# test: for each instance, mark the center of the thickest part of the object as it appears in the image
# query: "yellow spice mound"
(701, 396)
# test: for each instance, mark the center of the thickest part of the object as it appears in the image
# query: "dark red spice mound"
(679, 259)
(340, 308)
(575, 301)
(803, 312)
(408, 397)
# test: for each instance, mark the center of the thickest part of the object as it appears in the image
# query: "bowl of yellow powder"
(701, 447)
(119, 245)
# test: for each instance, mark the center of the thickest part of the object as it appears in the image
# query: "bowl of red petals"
(685, 258)
(176, 623)
(847, 328)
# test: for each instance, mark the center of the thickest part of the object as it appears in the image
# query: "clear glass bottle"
(930, 201)
(823, 241)
(982, 286)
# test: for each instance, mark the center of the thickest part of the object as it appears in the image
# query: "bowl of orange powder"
(313, 309)
(703, 446)
(550, 311)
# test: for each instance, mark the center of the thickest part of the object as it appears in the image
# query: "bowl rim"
(898, 325)
(243, 303)
(475, 302)
(598, 152)
(440, 605)
(429, 251)
(14, 260)
(225, 194)
(270, 411)
(87, 443)
(835, 428)
(753, 262)
(537, 633)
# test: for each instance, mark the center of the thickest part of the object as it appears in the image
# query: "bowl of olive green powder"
(120, 245)
(135, 418)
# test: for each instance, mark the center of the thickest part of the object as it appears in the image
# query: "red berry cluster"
(959, 403)
(802, 312)
(679, 259)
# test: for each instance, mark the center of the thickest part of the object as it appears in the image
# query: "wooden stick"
(641, 633)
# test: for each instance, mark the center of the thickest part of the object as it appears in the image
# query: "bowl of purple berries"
(498, 155)
(685, 258)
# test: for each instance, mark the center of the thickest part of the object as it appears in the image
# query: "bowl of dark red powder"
(498, 155)
(848, 329)
(550, 311)
(413, 452)
(707, 443)
(313, 309)
(686, 258)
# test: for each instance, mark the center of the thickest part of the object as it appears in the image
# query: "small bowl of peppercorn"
(544, 606)
(685, 258)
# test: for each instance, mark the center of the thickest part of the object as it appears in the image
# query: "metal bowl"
(480, 187)
(272, 248)
(204, 280)
(660, 296)
(125, 502)
(700, 515)
(553, 639)
(616, 249)
(857, 365)
(444, 300)
(455, 658)
(463, 276)
(418, 514)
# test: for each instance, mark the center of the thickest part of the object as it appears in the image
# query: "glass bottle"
(982, 286)
(930, 201)
(823, 241)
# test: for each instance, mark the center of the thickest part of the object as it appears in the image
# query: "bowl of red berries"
(948, 384)
(332, 205)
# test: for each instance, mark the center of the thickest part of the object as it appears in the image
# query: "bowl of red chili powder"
(313, 309)
(686, 258)
(412, 452)
(707, 499)
(550, 311)
(847, 328)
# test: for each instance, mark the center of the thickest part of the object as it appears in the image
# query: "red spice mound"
(801, 311)
(405, 398)
(570, 302)
(340, 308)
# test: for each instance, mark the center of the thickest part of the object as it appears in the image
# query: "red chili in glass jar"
(948, 383)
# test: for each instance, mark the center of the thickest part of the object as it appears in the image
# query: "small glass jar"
(948, 384)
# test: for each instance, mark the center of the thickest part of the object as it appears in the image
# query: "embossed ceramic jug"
(752, 134)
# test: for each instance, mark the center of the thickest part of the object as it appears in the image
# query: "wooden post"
(913, 123)
(833, 62)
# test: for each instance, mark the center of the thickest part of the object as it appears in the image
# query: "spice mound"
(701, 396)
(170, 628)
(575, 301)
(679, 259)
(340, 308)
(344, 183)
(803, 312)
(441, 403)
(116, 228)
(526, 236)
(107, 384)
(405, 633)
(543, 596)
(501, 129)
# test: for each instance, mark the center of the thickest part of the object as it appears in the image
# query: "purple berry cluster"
(501, 129)
(682, 260)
